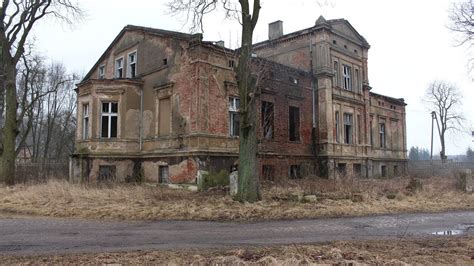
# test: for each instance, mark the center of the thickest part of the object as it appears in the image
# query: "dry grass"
(348, 197)
(436, 250)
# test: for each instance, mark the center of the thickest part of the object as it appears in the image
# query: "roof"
(321, 23)
(147, 30)
(399, 101)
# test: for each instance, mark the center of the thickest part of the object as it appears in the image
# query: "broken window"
(347, 128)
(267, 119)
(163, 174)
(234, 105)
(336, 125)
(132, 65)
(382, 135)
(85, 121)
(101, 72)
(164, 116)
(106, 173)
(268, 172)
(294, 121)
(295, 172)
(109, 120)
(347, 77)
(119, 68)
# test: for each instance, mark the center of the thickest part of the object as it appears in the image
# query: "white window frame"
(129, 64)
(117, 67)
(85, 120)
(234, 105)
(382, 134)
(101, 72)
(347, 77)
(109, 114)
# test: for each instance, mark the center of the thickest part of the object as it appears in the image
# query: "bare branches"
(462, 20)
(195, 10)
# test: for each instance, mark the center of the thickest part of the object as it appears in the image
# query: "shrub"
(213, 179)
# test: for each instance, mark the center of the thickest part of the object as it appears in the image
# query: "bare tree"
(247, 13)
(462, 20)
(18, 17)
(444, 100)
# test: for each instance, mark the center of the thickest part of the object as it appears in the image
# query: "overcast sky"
(410, 45)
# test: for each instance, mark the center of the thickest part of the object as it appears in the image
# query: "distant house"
(164, 105)
(24, 155)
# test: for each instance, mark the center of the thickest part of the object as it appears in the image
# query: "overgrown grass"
(345, 197)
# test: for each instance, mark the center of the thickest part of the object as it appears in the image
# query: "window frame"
(101, 72)
(382, 134)
(347, 77)
(234, 106)
(348, 127)
(268, 129)
(117, 68)
(85, 120)
(297, 125)
(109, 115)
(337, 125)
(129, 64)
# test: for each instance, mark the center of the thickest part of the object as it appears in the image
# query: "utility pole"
(433, 114)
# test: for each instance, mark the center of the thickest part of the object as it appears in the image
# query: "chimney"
(275, 30)
(220, 43)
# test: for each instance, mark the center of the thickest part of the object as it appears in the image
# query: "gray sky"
(410, 45)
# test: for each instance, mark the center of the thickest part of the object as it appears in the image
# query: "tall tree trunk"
(248, 185)
(7, 167)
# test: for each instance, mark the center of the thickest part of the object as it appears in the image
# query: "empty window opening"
(85, 121)
(357, 169)
(347, 128)
(294, 123)
(359, 129)
(334, 42)
(383, 170)
(132, 65)
(234, 119)
(382, 135)
(345, 46)
(295, 172)
(341, 169)
(267, 119)
(109, 120)
(165, 61)
(119, 68)
(395, 170)
(102, 72)
(163, 174)
(107, 173)
(268, 172)
(164, 116)
(231, 63)
(347, 78)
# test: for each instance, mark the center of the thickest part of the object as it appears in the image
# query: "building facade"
(163, 106)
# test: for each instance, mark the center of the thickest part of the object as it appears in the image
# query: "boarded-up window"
(164, 117)
(267, 119)
(294, 123)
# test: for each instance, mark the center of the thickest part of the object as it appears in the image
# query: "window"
(357, 168)
(165, 61)
(294, 127)
(234, 104)
(164, 116)
(359, 129)
(347, 78)
(231, 63)
(341, 169)
(85, 121)
(347, 128)
(293, 80)
(395, 170)
(383, 170)
(119, 68)
(268, 172)
(163, 174)
(336, 125)
(336, 74)
(267, 119)
(109, 120)
(132, 65)
(382, 135)
(107, 173)
(102, 72)
(295, 172)
(371, 134)
(356, 81)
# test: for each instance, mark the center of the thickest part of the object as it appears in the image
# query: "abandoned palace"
(163, 106)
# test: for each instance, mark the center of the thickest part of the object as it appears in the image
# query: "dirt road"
(28, 236)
